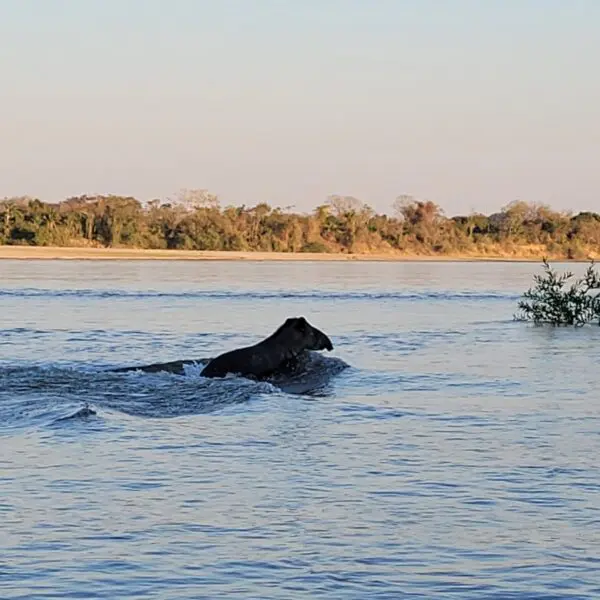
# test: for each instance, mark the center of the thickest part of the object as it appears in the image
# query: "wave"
(88, 293)
(43, 395)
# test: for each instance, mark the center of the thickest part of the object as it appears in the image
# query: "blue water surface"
(445, 450)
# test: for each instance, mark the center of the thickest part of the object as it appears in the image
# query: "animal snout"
(327, 343)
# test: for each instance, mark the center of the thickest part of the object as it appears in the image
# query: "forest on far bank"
(194, 220)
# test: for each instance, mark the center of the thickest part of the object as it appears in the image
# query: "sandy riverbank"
(72, 253)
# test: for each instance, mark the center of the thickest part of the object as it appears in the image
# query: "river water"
(444, 450)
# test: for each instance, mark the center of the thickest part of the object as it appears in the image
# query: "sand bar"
(77, 253)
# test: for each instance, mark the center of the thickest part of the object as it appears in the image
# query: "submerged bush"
(552, 301)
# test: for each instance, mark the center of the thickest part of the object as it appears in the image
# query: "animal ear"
(301, 323)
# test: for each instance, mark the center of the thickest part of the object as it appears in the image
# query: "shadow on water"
(42, 395)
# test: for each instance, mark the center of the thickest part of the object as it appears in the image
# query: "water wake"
(45, 394)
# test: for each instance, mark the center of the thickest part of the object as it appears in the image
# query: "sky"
(470, 104)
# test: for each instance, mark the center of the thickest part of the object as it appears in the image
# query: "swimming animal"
(279, 353)
(176, 367)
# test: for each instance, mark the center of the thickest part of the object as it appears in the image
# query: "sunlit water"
(456, 456)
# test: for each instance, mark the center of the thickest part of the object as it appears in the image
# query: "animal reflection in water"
(287, 358)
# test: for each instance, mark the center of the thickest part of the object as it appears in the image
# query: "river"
(455, 454)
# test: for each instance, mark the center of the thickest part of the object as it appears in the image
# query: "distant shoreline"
(79, 253)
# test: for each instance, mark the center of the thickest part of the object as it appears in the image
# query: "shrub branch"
(553, 301)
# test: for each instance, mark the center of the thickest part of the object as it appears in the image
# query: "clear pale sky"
(471, 104)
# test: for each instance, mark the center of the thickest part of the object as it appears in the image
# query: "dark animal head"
(301, 335)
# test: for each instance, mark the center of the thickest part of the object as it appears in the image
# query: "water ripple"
(230, 295)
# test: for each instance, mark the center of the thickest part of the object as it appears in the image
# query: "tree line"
(194, 220)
